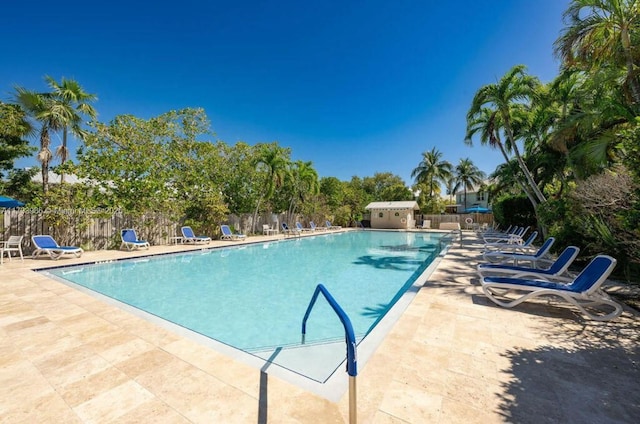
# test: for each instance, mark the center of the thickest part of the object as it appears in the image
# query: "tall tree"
(512, 89)
(385, 186)
(273, 160)
(14, 128)
(451, 185)
(432, 169)
(601, 33)
(45, 111)
(469, 176)
(486, 123)
(303, 182)
(74, 103)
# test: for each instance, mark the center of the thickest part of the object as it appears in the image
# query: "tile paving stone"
(114, 402)
(49, 408)
(154, 411)
(81, 391)
(411, 404)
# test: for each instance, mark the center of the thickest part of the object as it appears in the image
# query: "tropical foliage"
(429, 174)
(14, 130)
(468, 176)
(571, 145)
(59, 110)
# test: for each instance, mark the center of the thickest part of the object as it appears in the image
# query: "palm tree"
(273, 159)
(44, 110)
(601, 33)
(74, 102)
(486, 123)
(503, 98)
(451, 185)
(432, 169)
(304, 182)
(469, 176)
(596, 115)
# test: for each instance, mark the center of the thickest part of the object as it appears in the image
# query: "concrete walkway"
(452, 357)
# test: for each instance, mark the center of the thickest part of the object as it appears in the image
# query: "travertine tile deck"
(66, 357)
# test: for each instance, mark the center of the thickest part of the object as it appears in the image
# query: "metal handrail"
(350, 339)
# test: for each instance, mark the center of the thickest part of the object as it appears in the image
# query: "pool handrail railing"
(352, 360)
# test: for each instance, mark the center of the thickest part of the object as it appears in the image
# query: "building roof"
(54, 178)
(409, 204)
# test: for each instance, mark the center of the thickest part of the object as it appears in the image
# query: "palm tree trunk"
(44, 156)
(63, 157)
(520, 183)
(523, 166)
(465, 196)
(255, 216)
(634, 84)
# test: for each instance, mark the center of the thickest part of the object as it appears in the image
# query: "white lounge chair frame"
(517, 257)
(558, 268)
(331, 226)
(132, 244)
(55, 251)
(288, 231)
(227, 234)
(517, 243)
(304, 229)
(188, 236)
(591, 277)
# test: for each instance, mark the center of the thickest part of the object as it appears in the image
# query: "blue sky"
(356, 87)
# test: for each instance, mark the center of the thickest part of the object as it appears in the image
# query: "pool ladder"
(352, 361)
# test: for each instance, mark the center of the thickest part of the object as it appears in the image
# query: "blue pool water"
(254, 297)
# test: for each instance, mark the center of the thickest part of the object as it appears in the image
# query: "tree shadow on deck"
(571, 385)
(581, 371)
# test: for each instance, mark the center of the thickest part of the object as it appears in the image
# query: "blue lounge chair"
(515, 236)
(558, 268)
(130, 240)
(227, 234)
(332, 227)
(289, 231)
(314, 227)
(47, 245)
(188, 236)
(303, 229)
(517, 257)
(583, 291)
(497, 231)
(513, 244)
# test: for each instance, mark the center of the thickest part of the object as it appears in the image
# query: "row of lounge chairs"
(514, 267)
(299, 229)
(47, 245)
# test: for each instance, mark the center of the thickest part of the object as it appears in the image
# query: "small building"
(474, 197)
(396, 215)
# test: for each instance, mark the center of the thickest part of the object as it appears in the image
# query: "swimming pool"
(253, 297)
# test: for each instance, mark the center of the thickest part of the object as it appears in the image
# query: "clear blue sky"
(356, 87)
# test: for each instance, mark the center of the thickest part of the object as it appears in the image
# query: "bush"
(514, 210)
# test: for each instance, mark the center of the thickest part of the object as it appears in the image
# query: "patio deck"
(452, 357)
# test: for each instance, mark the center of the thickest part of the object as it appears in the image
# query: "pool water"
(253, 297)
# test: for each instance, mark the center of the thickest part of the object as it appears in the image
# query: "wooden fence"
(99, 230)
(75, 228)
(466, 220)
